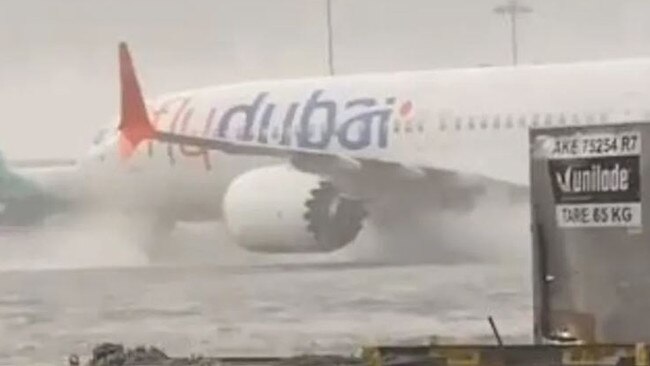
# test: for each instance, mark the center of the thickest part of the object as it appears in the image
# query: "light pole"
(330, 41)
(513, 9)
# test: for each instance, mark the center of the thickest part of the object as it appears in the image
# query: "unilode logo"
(594, 179)
(606, 179)
(318, 122)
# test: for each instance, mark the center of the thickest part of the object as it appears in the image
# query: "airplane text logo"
(318, 122)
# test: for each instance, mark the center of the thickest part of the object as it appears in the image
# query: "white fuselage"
(469, 120)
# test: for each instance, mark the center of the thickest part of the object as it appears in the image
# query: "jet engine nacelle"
(280, 209)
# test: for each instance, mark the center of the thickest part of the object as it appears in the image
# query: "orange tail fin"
(135, 126)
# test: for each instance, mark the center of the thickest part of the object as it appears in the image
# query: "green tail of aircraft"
(14, 186)
(22, 201)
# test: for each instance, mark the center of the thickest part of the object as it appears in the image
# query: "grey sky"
(58, 79)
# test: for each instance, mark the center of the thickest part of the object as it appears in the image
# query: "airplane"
(26, 189)
(305, 165)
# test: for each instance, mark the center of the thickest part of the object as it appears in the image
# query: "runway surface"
(251, 306)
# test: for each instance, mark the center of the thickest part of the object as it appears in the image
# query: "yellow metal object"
(640, 355)
(372, 356)
(512, 355)
(458, 356)
(591, 355)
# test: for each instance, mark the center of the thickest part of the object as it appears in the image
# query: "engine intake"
(280, 209)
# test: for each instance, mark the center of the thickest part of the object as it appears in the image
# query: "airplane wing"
(41, 163)
(136, 127)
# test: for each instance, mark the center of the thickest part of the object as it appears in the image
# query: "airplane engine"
(279, 209)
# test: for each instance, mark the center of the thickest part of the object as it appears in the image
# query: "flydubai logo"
(318, 122)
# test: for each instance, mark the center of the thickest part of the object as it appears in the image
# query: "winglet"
(135, 126)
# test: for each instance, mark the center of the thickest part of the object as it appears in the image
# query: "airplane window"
(484, 122)
(509, 123)
(561, 120)
(589, 118)
(396, 129)
(522, 121)
(470, 123)
(442, 124)
(604, 118)
(549, 120)
(496, 124)
(459, 123)
(576, 119)
(409, 127)
(420, 127)
(535, 121)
